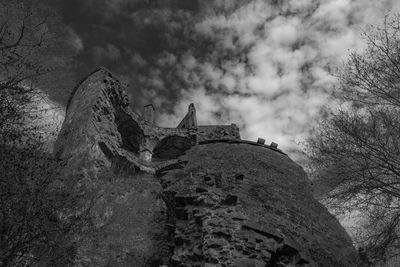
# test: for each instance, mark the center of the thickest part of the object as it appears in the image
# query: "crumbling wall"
(242, 205)
(187, 197)
(190, 119)
(216, 132)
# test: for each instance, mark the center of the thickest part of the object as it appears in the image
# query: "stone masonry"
(188, 196)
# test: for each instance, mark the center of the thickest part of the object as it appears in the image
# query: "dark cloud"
(136, 39)
(262, 64)
(109, 52)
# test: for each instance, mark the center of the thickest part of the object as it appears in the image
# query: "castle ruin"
(192, 195)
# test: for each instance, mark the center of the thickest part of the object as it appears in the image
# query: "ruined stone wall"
(214, 132)
(243, 205)
(187, 197)
(190, 119)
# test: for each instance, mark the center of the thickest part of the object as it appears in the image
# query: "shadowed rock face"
(188, 196)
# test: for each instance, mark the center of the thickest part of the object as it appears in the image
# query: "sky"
(267, 66)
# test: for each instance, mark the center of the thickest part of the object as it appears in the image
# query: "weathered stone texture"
(212, 132)
(128, 223)
(240, 205)
(197, 196)
(100, 124)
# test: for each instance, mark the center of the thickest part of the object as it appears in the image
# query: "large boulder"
(187, 196)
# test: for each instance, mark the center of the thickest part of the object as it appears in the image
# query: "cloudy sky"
(265, 65)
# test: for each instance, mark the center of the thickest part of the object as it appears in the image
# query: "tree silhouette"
(354, 153)
(38, 213)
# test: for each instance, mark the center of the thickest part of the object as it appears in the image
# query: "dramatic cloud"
(265, 65)
(74, 39)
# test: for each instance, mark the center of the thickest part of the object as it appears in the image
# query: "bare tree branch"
(355, 151)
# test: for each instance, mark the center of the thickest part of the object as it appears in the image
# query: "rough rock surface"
(240, 205)
(188, 196)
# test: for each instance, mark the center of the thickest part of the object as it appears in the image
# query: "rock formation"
(188, 196)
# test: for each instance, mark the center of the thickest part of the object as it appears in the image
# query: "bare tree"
(33, 50)
(39, 214)
(355, 151)
(22, 34)
(38, 218)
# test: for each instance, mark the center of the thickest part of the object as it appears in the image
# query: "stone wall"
(213, 132)
(241, 205)
(187, 197)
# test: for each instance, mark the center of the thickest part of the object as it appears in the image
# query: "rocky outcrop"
(187, 196)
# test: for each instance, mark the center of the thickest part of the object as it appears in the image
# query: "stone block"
(273, 145)
(149, 113)
(260, 141)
